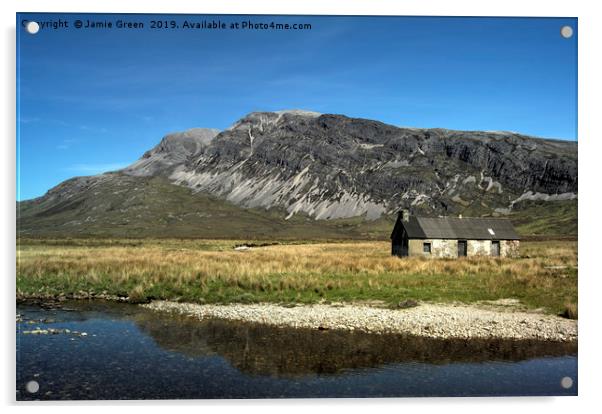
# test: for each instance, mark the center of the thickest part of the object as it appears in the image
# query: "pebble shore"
(427, 320)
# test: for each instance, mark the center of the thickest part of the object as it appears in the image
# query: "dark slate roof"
(460, 228)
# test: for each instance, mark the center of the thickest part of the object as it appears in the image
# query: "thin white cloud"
(28, 120)
(66, 143)
(95, 168)
(92, 129)
(32, 120)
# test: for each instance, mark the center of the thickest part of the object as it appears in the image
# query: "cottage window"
(426, 248)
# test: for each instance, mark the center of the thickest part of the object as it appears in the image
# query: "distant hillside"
(295, 174)
(118, 205)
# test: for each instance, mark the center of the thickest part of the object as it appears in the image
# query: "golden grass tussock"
(367, 259)
(570, 310)
(374, 259)
(361, 267)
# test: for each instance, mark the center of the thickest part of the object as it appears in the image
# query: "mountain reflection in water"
(129, 352)
(287, 352)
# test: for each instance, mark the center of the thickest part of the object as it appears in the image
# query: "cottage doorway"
(404, 246)
(495, 248)
(462, 247)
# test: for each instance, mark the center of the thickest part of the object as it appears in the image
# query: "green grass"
(551, 219)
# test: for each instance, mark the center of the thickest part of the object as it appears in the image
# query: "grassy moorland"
(210, 271)
(551, 220)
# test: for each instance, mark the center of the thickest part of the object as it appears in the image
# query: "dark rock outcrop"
(332, 166)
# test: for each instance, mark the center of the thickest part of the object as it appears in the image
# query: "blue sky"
(94, 100)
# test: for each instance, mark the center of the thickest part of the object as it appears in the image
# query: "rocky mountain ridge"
(332, 166)
(326, 167)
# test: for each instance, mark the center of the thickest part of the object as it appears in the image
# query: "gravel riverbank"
(427, 320)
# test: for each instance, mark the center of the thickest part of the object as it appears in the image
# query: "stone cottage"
(453, 237)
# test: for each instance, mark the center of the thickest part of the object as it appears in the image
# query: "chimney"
(405, 215)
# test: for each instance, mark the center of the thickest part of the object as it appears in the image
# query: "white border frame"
(589, 27)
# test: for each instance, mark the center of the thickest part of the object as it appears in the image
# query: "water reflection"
(132, 353)
(282, 352)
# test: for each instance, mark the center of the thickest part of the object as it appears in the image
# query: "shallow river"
(99, 350)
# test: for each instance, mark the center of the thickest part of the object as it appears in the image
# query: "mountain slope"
(296, 173)
(119, 205)
(173, 150)
(331, 166)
